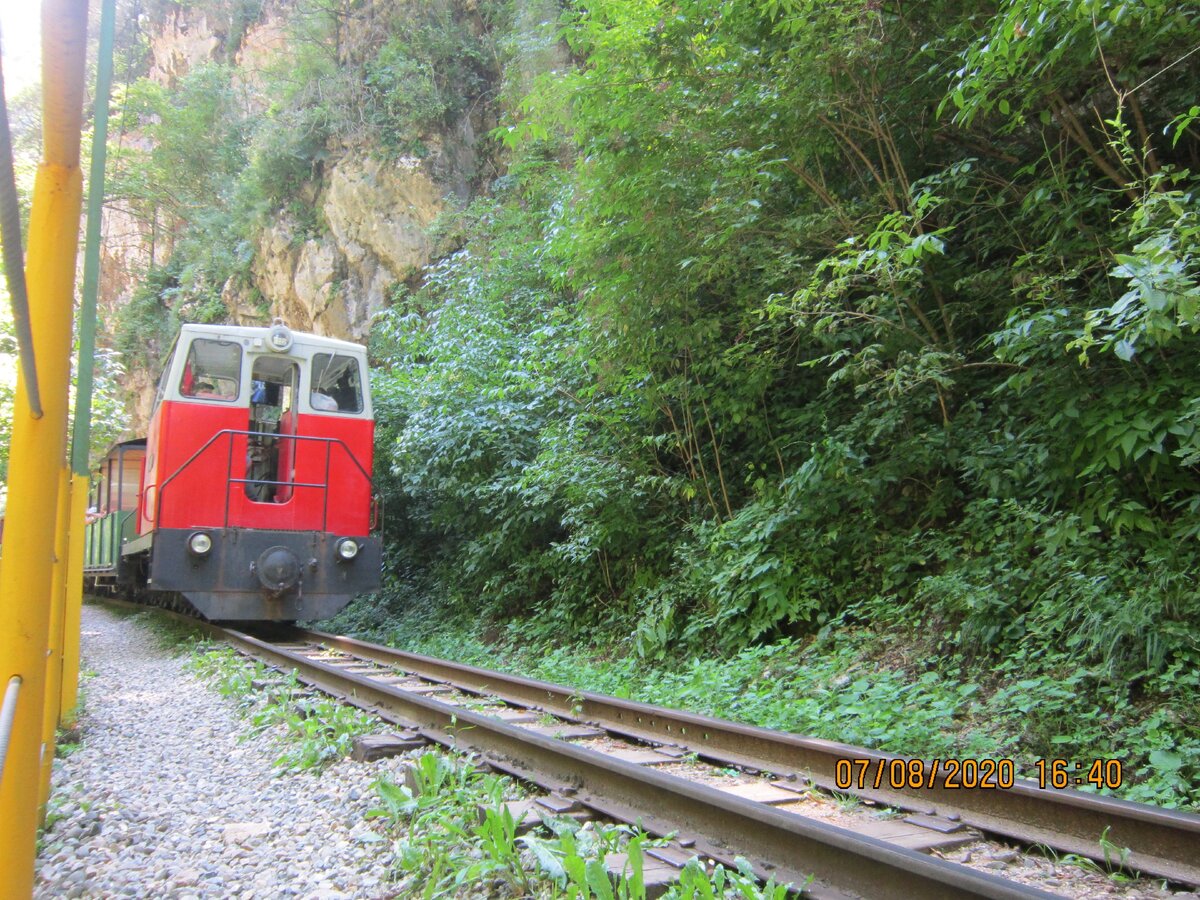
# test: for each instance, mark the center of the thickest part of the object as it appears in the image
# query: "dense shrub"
(792, 316)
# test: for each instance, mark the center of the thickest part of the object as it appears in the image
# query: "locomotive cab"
(256, 501)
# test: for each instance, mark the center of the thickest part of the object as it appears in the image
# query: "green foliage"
(169, 634)
(312, 730)
(1163, 297)
(431, 69)
(285, 153)
(477, 457)
(458, 836)
(1032, 52)
(146, 325)
(443, 827)
(110, 420)
(315, 730)
(189, 179)
(794, 311)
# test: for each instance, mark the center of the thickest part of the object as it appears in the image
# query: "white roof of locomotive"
(240, 332)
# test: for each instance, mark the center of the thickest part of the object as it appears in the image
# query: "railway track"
(568, 743)
(1162, 843)
(829, 861)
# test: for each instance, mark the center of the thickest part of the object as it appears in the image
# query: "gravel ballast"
(166, 798)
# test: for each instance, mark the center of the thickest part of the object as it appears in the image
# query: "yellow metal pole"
(58, 594)
(38, 446)
(80, 486)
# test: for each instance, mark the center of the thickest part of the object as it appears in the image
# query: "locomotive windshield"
(213, 371)
(336, 384)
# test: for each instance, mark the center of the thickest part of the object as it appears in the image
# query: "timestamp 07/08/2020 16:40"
(861, 773)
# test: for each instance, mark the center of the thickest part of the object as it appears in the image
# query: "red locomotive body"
(255, 499)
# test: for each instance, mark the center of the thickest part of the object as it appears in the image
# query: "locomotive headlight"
(200, 543)
(280, 336)
(347, 549)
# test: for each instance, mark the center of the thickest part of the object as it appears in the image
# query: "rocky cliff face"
(377, 214)
(366, 214)
(353, 219)
(184, 39)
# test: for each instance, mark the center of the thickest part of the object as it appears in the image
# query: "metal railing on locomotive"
(230, 481)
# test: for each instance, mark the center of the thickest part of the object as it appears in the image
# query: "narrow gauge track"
(828, 861)
(720, 825)
(1162, 843)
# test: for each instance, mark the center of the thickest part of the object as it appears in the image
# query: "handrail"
(229, 479)
(7, 713)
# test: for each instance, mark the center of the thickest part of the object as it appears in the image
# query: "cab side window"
(213, 371)
(336, 384)
(163, 380)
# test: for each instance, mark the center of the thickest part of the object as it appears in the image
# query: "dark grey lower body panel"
(252, 574)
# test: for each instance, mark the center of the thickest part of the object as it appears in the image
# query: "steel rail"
(826, 860)
(1160, 842)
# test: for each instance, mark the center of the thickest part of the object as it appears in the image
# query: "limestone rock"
(378, 213)
(185, 40)
(384, 207)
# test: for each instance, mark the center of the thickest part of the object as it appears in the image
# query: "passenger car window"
(336, 384)
(213, 371)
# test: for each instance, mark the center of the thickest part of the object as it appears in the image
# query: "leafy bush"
(432, 68)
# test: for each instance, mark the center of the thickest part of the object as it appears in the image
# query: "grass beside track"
(878, 688)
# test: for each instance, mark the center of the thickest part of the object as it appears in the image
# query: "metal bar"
(1161, 842)
(114, 540)
(786, 847)
(325, 493)
(81, 433)
(58, 603)
(90, 527)
(249, 434)
(64, 54)
(7, 713)
(229, 479)
(14, 259)
(303, 484)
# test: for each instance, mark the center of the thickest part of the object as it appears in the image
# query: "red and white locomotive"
(254, 498)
